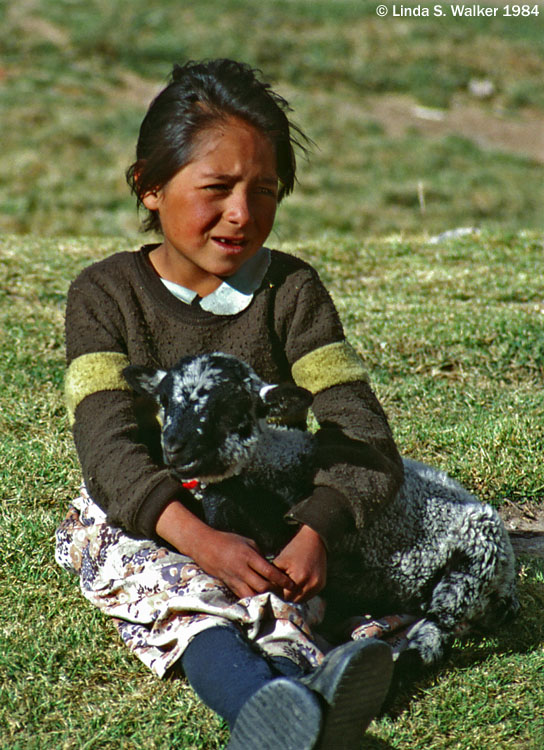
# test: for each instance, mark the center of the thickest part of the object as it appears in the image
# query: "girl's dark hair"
(197, 96)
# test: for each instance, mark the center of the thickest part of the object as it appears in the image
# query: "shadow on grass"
(375, 743)
(522, 636)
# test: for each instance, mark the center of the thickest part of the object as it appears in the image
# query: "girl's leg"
(286, 667)
(225, 669)
(232, 678)
(334, 703)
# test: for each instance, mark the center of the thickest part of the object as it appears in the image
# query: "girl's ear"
(287, 402)
(152, 201)
(144, 380)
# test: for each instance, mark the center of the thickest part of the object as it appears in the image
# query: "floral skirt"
(160, 599)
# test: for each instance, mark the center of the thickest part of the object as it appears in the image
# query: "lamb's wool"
(435, 551)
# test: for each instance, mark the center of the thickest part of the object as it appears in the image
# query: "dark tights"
(225, 669)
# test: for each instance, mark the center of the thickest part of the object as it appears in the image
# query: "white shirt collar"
(235, 293)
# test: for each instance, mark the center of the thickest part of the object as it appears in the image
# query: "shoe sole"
(282, 715)
(358, 697)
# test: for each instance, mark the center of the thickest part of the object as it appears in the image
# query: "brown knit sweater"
(119, 312)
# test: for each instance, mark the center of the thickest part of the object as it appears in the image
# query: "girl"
(215, 157)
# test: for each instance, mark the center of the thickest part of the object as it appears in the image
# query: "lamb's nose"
(174, 444)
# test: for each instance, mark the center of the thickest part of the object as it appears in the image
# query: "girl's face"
(217, 211)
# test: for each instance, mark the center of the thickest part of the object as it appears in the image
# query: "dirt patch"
(135, 89)
(522, 134)
(25, 17)
(525, 524)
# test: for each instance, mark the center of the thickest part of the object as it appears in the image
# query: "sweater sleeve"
(118, 469)
(359, 467)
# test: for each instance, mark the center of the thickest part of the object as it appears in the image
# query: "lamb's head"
(212, 408)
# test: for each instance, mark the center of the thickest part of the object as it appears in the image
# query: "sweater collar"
(234, 294)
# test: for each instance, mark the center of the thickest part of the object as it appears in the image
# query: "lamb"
(435, 551)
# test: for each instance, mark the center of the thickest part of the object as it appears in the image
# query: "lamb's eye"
(245, 430)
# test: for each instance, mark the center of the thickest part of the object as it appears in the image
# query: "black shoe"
(353, 680)
(282, 715)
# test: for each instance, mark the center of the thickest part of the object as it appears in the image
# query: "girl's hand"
(234, 559)
(237, 562)
(304, 560)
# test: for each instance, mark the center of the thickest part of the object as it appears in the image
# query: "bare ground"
(490, 128)
(487, 125)
(525, 523)
(476, 117)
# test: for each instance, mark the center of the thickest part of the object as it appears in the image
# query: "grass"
(77, 76)
(452, 332)
(452, 337)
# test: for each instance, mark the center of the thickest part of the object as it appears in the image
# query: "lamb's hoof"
(282, 715)
(353, 680)
(429, 641)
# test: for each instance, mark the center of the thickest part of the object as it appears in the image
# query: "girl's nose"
(238, 210)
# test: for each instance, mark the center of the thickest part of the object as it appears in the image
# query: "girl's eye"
(217, 186)
(222, 187)
(268, 191)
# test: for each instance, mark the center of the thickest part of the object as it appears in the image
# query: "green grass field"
(77, 75)
(452, 336)
(452, 332)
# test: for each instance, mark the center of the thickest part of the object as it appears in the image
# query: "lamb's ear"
(144, 380)
(287, 402)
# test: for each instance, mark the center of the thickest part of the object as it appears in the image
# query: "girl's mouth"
(231, 244)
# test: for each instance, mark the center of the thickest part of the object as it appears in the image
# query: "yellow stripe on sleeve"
(329, 365)
(91, 373)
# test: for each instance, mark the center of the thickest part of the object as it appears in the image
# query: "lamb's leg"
(451, 601)
(453, 598)
(470, 590)
(428, 644)
(465, 592)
